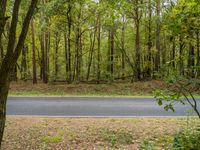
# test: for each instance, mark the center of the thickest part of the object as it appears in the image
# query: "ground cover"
(30, 133)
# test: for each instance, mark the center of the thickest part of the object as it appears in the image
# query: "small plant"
(49, 140)
(115, 137)
(147, 145)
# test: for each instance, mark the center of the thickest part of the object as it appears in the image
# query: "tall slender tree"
(12, 54)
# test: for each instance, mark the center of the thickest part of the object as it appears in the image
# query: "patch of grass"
(116, 137)
(49, 140)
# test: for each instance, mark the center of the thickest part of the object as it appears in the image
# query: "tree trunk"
(123, 49)
(90, 58)
(46, 56)
(33, 53)
(24, 63)
(12, 56)
(191, 62)
(181, 63)
(68, 52)
(198, 54)
(2, 25)
(149, 40)
(42, 74)
(112, 53)
(173, 52)
(99, 50)
(57, 41)
(137, 43)
(157, 62)
(4, 87)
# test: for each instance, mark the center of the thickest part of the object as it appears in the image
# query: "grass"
(64, 133)
(49, 140)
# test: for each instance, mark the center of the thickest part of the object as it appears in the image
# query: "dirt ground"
(23, 133)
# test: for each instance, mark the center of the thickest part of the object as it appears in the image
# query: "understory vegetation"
(135, 133)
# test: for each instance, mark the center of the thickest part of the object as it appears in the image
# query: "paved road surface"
(89, 107)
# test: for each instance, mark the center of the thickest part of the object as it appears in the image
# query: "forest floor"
(121, 133)
(123, 88)
(143, 89)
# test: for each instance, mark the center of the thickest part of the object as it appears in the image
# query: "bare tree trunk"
(33, 53)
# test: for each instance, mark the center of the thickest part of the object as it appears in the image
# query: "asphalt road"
(89, 107)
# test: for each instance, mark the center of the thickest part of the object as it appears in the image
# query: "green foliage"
(187, 140)
(179, 90)
(49, 140)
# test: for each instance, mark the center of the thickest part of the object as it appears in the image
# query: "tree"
(33, 52)
(12, 52)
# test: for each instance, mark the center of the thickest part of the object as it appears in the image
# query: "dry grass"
(87, 134)
(124, 89)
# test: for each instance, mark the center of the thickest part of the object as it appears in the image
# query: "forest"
(90, 74)
(104, 41)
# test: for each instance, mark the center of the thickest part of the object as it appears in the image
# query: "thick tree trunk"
(33, 52)
(4, 87)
